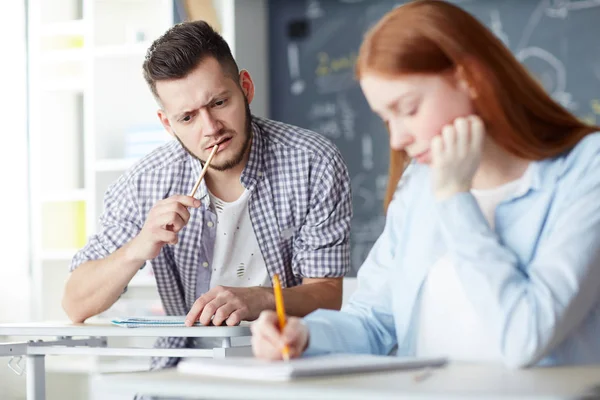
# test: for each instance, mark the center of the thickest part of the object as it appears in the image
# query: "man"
(275, 199)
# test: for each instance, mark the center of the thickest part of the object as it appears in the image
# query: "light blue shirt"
(534, 280)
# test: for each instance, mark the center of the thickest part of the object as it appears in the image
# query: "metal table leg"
(36, 377)
(226, 343)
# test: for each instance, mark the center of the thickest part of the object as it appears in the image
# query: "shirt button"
(205, 264)
(259, 173)
(210, 224)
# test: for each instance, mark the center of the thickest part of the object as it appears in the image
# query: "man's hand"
(164, 221)
(455, 156)
(230, 305)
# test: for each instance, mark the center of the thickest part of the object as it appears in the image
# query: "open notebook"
(337, 364)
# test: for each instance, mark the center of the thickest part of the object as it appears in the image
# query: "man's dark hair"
(180, 49)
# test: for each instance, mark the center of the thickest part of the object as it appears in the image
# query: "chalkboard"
(313, 48)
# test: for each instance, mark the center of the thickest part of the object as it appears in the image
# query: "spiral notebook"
(336, 364)
(139, 322)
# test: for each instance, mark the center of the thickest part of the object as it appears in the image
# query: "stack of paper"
(337, 364)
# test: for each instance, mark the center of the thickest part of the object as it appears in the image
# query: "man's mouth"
(219, 142)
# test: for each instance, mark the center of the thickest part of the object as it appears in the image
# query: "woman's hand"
(268, 341)
(455, 156)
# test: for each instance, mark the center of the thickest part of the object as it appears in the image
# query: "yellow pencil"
(279, 306)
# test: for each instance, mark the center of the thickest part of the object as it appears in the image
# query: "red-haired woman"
(491, 249)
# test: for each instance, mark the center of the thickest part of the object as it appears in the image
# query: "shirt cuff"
(317, 333)
(461, 218)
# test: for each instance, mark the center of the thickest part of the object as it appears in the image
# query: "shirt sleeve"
(366, 324)
(120, 222)
(322, 247)
(530, 309)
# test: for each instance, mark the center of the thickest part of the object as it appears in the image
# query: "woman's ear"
(463, 83)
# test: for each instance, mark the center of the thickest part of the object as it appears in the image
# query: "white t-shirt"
(237, 260)
(448, 324)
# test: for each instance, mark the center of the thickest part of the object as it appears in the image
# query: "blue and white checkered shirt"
(300, 208)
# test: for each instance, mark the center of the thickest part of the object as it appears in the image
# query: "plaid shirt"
(300, 208)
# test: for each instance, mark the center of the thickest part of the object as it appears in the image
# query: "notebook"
(316, 366)
(137, 322)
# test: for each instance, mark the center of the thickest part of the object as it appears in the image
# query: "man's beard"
(239, 157)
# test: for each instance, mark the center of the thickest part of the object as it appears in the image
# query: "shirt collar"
(540, 175)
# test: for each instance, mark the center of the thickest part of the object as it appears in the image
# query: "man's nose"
(210, 125)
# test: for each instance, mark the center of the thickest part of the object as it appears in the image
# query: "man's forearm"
(96, 285)
(303, 299)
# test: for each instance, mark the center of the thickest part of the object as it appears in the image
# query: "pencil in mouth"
(204, 169)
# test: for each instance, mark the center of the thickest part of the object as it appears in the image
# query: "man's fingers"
(223, 313)
(170, 221)
(236, 317)
(198, 306)
(210, 309)
(187, 201)
(166, 236)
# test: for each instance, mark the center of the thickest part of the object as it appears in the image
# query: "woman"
(491, 249)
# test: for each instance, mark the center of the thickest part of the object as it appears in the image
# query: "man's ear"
(247, 85)
(162, 116)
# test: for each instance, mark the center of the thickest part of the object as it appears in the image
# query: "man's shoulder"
(167, 156)
(280, 136)
(160, 169)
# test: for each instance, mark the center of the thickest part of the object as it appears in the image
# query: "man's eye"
(187, 118)
(220, 103)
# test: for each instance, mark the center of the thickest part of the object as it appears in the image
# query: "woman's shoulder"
(579, 168)
(583, 156)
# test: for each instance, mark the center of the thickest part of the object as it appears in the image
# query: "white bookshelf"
(86, 90)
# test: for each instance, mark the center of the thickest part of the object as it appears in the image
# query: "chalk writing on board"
(364, 196)
(322, 110)
(593, 116)
(328, 127)
(369, 230)
(550, 71)
(367, 152)
(314, 9)
(561, 8)
(294, 65)
(548, 68)
(496, 27)
(347, 117)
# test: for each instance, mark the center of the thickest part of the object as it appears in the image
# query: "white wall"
(14, 249)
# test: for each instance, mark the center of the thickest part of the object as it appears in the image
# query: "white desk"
(91, 339)
(455, 381)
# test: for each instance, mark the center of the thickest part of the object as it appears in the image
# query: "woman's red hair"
(432, 37)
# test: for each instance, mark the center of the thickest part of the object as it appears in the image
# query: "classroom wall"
(14, 264)
(244, 26)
